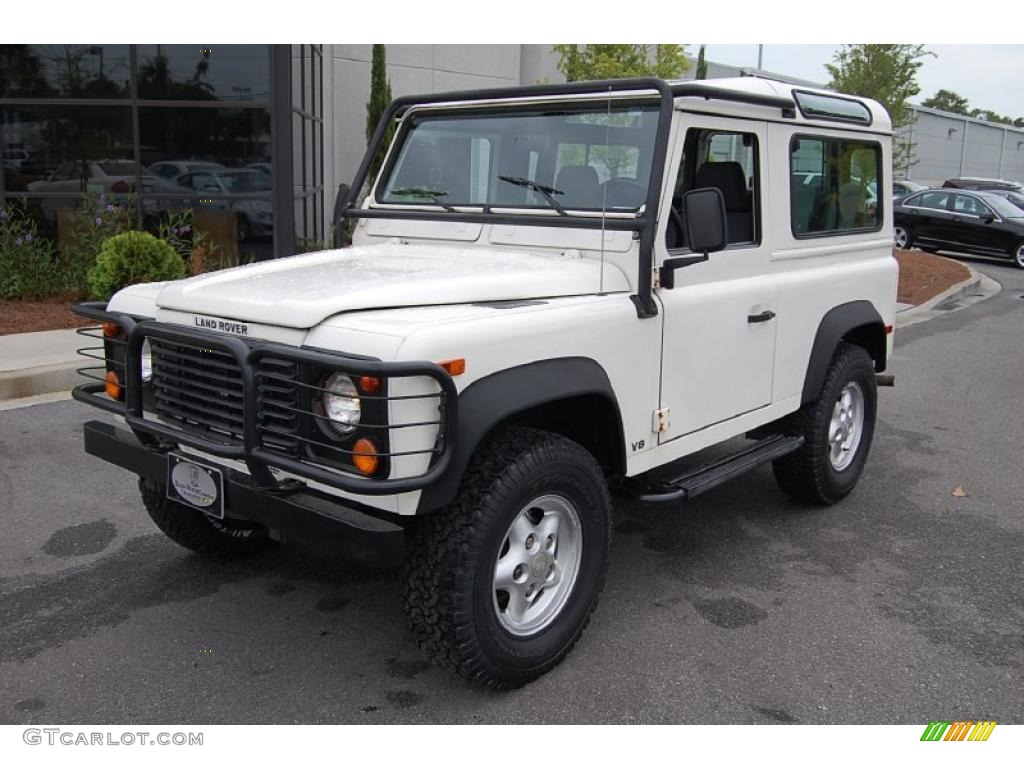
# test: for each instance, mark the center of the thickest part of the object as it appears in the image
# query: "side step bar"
(707, 477)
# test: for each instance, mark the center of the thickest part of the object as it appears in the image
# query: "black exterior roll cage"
(645, 223)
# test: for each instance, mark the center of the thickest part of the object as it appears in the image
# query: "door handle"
(764, 317)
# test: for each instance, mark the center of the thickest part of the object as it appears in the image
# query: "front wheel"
(1018, 255)
(837, 428)
(500, 585)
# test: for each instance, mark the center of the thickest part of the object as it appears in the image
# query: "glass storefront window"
(188, 128)
(204, 72)
(66, 150)
(230, 137)
(64, 71)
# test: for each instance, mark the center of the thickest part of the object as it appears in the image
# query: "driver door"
(718, 348)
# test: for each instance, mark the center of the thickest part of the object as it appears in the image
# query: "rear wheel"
(204, 534)
(902, 237)
(500, 585)
(837, 428)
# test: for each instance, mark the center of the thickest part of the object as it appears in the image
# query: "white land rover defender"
(551, 292)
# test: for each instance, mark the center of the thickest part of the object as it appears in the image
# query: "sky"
(988, 76)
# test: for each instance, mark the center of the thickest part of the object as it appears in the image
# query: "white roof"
(880, 120)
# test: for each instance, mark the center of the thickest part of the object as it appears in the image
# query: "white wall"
(412, 69)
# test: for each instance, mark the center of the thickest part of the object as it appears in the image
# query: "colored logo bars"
(958, 730)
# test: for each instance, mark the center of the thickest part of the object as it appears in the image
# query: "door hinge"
(660, 420)
(656, 279)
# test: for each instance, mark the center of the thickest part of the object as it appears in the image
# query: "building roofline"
(965, 118)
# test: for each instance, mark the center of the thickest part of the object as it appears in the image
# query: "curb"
(41, 380)
(934, 306)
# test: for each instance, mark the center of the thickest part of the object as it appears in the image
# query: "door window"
(969, 205)
(726, 160)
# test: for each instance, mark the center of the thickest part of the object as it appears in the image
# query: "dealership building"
(257, 138)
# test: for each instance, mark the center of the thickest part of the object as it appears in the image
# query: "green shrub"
(28, 267)
(133, 257)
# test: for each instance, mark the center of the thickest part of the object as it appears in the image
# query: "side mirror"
(988, 218)
(706, 230)
(704, 217)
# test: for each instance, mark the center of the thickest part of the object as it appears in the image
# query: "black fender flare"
(836, 324)
(491, 400)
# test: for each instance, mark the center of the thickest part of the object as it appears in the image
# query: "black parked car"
(951, 219)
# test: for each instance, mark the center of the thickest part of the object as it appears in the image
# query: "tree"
(702, 65)
(380, 98)
(608, 62)
(888, 74)
(948, 101)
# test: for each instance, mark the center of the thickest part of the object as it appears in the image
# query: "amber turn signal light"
(454, 367)
(111, 329)
(369, 383)
(364, 456)
(113, 385)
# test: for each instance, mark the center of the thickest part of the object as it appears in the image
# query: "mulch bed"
(45, 315)
(923, 275)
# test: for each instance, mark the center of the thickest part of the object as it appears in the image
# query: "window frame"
(410, 118)
(880, 185)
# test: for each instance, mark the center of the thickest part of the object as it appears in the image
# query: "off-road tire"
(807, 474)
(218, 539)
(449, 568)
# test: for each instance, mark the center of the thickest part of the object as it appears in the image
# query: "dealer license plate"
(195, 484)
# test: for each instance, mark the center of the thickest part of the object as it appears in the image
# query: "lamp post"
(97, 50)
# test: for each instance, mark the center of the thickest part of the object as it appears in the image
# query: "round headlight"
(341, 403)
(146, 362)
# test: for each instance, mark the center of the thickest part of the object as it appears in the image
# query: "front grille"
(277, 405)
(198, 390)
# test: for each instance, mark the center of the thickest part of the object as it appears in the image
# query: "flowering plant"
(27, 261)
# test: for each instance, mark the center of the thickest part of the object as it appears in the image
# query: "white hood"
(301, 291)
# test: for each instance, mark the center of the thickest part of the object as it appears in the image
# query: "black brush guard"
(252, 447)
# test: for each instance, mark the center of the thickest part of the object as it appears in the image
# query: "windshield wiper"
(548, 192)
(433, 194)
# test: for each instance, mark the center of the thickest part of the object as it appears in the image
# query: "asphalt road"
(903, 604)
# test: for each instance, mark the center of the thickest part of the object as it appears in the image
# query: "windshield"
(583, 157)
(1003, 207)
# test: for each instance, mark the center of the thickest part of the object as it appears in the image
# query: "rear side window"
(834, 185)
(937, 200)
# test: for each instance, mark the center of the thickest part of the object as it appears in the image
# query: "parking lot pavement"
(903, 604)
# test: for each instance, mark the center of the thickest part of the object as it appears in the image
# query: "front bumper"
(303, 514)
